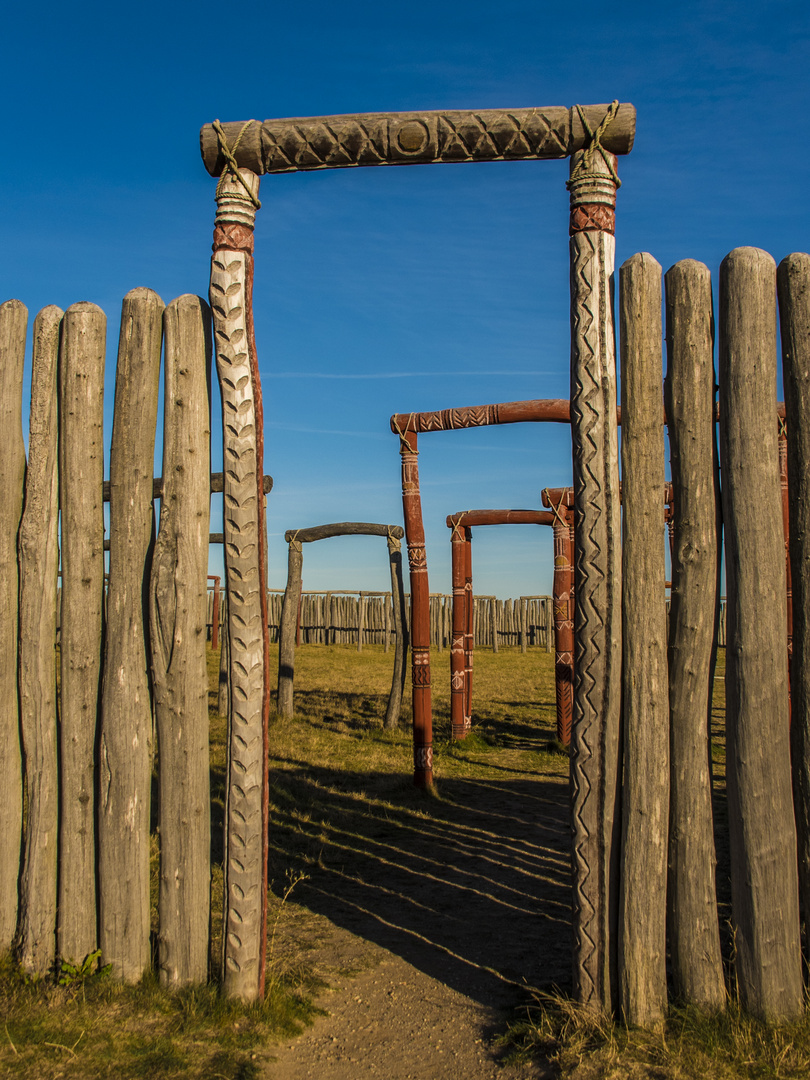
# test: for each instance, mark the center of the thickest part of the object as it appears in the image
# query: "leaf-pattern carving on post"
(243, 507)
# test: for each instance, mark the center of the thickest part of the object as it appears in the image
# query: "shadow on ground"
(471, 886)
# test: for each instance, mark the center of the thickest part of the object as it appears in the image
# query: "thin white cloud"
(398, 374)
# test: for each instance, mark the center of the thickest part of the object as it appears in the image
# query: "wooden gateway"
(292, 601)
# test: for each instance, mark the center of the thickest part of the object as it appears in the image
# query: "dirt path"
(428, 928)
(392, 1021)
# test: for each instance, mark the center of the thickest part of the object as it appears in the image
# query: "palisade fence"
(333, 617)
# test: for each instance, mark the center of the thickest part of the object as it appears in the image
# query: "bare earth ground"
(429, 930)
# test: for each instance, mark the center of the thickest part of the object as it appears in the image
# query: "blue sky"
(392, 290)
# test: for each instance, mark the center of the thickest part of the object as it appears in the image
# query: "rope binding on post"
(231, 165)
(405, 446)
(585, 163)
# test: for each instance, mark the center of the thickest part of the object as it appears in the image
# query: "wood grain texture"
(177, 616)
(329, 142)
(39, 566)
(287, 629)
(125, 740)
(81, 465)
(764, 881)
(343, 528)
(13, 323)
(245, 895)
(689, 393)
(793, 281)
(597, 568)
(223, 693)
(645, 706)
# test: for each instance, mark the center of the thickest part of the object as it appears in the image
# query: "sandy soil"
(430, 932)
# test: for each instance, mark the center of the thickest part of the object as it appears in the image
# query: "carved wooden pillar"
(469, 635)
(563, 623)
(400, 629)
(245, 862)
(420, 612)
(596, 714)
(458, 664)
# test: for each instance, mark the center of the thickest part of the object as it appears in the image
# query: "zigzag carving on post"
(244, 901)
(333, 142)
(594, 743)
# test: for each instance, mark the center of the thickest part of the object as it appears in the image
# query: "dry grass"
(340, 788)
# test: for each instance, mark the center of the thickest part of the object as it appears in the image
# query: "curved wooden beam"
(343, 528)
(416, 138)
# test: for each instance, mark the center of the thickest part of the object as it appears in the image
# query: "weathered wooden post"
(764, 883)
(39, 567)
(245, 562)
(178, 595)
(689, 392)
(392, 713)
(13, 324)
(793, 280)
(81, 464)
(223, 695)
(125, 743)
(595, 737)
(287, 629)
(645, 777)
(786, 530)
(217, 600)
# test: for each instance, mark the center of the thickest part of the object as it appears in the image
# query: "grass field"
(343, 806)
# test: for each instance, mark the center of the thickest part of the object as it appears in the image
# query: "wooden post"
(420, 612)
(81, 463)
(764, 881)
(793, 281)
(223, 696)
(246, 824)
(215, 612)
(13, 324)
(523, 620)
(361, 614)
(288, 629)
(125, 751)
(39, 567)
(645, 780)
(493, 620)
(694, 936)
(178, 595)
(783, 483)
(563, 620)
(392, 713)
(469, 630)
(595, 738)
(458, 696)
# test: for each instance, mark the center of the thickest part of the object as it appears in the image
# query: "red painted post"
(458, 651)
(420, 611)
(563, 590)
(469, 630)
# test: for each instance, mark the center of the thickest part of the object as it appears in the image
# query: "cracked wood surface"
(13, 323)
(39, 566)
(81, 473)
(178, 614)
(125, 744)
